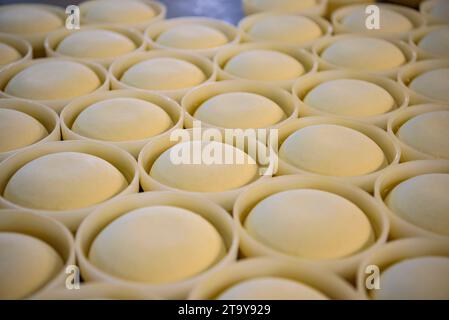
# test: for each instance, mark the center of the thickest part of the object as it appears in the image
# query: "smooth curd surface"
(158, 244)
(64, 181)
(311, 224)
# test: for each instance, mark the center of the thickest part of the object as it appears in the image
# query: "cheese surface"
(332, 150)
(264, 65)
(163, 74)
(122, 119)
(423, 201)
(350, 97)
(238, 110)
(53, 80)
(311, 224)
(271, 288)
(64, 181)
(18, 130)
(27, 264)
(159, 244)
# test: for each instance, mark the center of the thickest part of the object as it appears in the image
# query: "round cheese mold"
(429, 274)
(132, 14)
(101, 44)
(35, 179)
(347, 150)
(328, 223)
(266, 63)
(333, 5)
(105, 114)
(24, 123)
(426, 81)
(414, 268)
(135, 241)
(13, 49)
(194, 164)
(31, 80)
(262, 289)
(352, 95)
(37, 250)
(24, 130)
(150, 74)
(31, 22)
(221, 110)
(128, 119)
(324, 94)
(167, 72)
(432, 84)
(272, 279)
(435, 11)
(431, 42)
(284, 28)
(25, 253)
(417, 201)
(8, 54)
(191, 35)
(410, 128)
(396, 21)
(96, 291)
(128, 247)
(203, 177)
(313, 7)
(279, 66)
(233, 104)
(296, 223)
(362, 53)
(421, 187)
(42, 183)
(316, 148)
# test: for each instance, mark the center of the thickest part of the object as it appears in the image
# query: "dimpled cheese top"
(441, 11)
(350, 97)
(332, 150)
(8, 54)
(436, 42)
(18, 130)
(423, 201)
(27, 264)
(64, 181)
(159, 244)
(95, 44)
(122, 119)
(390, 21)
(427, 133)
(365, 54)
(265, 65)
(283, 5)
(27, 19)
(238, 110)
(415, 279)
(163, 74)
(311, 224)
(271, 288)
(432, 84)
(118, 11)
(53, 80)
(211, 175)
(192, 36)
(287, 28)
